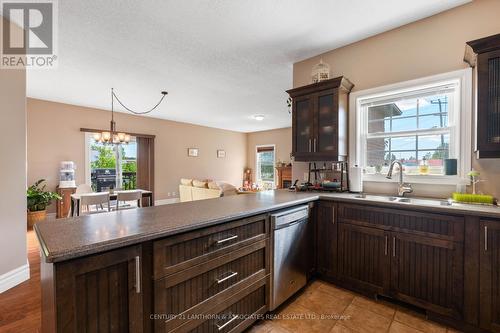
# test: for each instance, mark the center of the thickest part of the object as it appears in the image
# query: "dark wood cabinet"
(202, 273)
(489, 276)
(415, 257)
(319, 120)
(100, 293)
(326, 240)
(484, 53)
(363, 258)
(428, 272)
(63, 205)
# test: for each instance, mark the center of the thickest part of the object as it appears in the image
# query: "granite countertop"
(69, 238)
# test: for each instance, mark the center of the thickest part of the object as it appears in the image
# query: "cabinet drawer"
(446, 227)
(196, 290)
(176, 253)
(234, 315)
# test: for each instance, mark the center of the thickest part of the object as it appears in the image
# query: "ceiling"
(222, 61)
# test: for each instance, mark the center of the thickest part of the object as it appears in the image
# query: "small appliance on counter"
(67, 174)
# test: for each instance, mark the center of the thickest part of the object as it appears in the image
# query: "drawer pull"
(138, 274)
(230, 238)
(221, 327)
(485, 238)
(230, 276)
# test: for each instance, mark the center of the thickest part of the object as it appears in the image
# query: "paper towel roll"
(355, 179)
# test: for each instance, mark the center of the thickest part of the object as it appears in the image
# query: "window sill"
(415, 179)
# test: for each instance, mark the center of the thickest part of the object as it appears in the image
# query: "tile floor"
(324, 308)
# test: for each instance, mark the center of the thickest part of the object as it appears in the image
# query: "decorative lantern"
(320, 72)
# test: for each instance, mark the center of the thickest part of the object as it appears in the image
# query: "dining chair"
(99, 200)
(83, 188)
(128, 196)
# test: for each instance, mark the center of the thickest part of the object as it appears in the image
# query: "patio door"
(111, 166)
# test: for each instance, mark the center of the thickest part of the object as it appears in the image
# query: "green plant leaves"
(37, 198)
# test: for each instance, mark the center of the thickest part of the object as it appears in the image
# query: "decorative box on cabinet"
(484, 54)
(320, 120)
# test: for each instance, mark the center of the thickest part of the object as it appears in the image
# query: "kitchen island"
(172, 268)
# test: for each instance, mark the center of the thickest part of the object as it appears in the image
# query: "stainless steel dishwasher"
(289, 257)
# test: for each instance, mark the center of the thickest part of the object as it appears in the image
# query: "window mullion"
(380, 135)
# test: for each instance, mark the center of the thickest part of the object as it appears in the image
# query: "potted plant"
(38, 200)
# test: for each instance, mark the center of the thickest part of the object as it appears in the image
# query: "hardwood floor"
(20, 307)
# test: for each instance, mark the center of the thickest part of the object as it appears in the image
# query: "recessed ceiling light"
(259, 117)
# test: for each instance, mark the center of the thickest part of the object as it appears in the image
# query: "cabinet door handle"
(230, 276)
(485, 238)
(393, 246)
(221, 327)
(138, 274)
(386, 245)
(314, 145)
(230, 238)
(333, 215)
(310, 145)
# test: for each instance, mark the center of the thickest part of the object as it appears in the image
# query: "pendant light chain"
(114, 137)
(164, 93)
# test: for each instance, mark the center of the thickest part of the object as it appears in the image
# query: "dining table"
(75, 198)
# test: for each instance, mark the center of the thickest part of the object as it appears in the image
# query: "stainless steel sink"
(403, 200)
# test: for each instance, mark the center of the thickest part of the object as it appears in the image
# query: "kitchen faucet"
(402, 187)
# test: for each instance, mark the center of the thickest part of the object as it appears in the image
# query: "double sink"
(416, 201)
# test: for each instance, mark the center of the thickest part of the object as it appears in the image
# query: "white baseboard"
(14, 277)
(166, 201)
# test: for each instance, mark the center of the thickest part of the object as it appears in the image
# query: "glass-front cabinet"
(484, 54)
(319, 124)
(304, 125)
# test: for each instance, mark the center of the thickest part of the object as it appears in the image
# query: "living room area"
(174, 151)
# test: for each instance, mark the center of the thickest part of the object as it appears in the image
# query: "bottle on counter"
(423, 168)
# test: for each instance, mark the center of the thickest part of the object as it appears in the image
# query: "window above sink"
(420, 122)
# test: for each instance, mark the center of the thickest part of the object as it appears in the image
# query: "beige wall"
(281, 138)
(12, 169)
(54, 135)
(430, 46)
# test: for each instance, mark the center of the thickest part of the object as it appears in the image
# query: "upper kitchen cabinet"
(319, 120)
(484, 53)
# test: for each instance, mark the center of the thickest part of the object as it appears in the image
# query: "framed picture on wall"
(193, 152)
(221, 153)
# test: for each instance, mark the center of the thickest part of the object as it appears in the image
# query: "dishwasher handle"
(289, 224)
(289, 217)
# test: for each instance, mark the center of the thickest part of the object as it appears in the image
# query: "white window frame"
(257, 171)
(461, 131)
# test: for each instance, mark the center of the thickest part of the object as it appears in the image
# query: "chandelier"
(117, 137)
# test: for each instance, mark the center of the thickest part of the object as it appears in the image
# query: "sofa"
(192, 189)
